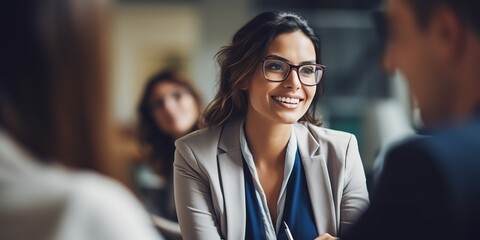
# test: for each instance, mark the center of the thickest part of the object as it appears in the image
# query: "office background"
(149, 35)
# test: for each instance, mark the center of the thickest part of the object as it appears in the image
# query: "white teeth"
(287, 100)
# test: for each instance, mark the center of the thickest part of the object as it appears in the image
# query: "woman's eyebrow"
(273, 56)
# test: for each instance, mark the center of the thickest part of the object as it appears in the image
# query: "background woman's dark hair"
(157, 146)
(53, 81)
(239, 61)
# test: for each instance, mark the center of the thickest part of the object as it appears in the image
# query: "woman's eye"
(308, 70)
(177, 95)
(275, 67)
(157, 104)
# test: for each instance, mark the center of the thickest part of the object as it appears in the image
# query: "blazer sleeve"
(193, 198)
(355, 194)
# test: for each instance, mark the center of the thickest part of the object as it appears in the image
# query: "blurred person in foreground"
(169, 109)
(55, 127)
(429, 188)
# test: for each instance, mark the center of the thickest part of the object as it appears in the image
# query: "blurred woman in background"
(169, 109)
(55, 127)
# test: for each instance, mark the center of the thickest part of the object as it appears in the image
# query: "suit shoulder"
(416, 151)
(453, 149)
(457, 140)
(417, 145)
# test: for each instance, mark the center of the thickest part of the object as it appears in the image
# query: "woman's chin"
(287, 118)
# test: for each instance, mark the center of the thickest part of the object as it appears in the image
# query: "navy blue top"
(297, 213)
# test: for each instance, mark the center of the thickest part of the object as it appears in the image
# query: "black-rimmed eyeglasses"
(277, 70)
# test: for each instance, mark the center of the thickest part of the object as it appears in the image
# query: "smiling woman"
(264, 159)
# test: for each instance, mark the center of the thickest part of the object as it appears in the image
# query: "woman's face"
(282, 102)
(174, 109)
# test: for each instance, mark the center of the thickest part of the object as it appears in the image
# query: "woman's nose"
(293, 80)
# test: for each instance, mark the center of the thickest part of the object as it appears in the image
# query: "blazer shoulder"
(329, 136)
(200, 140)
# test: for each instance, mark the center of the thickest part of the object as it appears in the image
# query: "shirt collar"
(289, 155)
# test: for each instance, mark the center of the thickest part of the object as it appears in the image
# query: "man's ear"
(449, 34)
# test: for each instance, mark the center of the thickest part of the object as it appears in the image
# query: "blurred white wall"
(146, 38)
(149, 37)
(221, 19)
(387, 121)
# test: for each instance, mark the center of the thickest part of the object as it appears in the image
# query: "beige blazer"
(209, 183)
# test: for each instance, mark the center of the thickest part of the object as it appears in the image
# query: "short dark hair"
(238, 62)
(466, 10)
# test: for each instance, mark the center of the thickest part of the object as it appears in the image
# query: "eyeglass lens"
(277, 70)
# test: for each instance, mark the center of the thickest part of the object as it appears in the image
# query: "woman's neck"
(267, 140)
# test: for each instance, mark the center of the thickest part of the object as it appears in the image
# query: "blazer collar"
(307, 144)
(230, 163)
(231, 175)
(317, 176)
(230, 138)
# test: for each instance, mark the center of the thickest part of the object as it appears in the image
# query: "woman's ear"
(244, 86)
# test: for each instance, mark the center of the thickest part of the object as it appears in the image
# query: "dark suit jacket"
(429, 189)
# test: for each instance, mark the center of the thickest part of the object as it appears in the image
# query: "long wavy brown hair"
(239, 60)
(157, 146)
(53, 80)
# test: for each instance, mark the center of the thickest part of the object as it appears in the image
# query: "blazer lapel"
(231, 175)
(318, 181)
